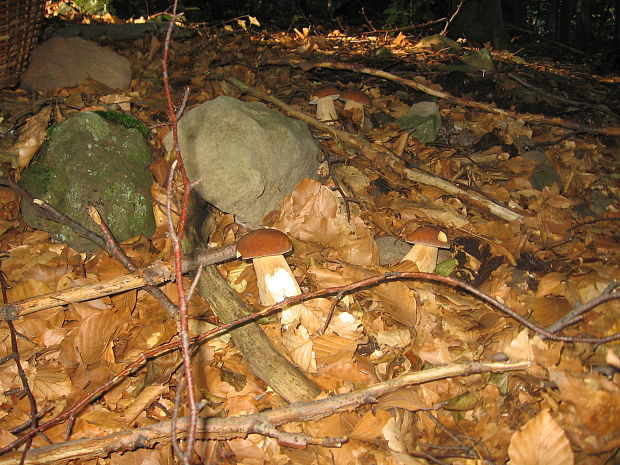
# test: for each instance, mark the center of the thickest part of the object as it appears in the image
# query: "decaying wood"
(264, 422)
(261, 356)
(380, 156)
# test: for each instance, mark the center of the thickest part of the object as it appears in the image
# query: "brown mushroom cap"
(263, 243)
(357, 96)
(427, 235)
(324, 92)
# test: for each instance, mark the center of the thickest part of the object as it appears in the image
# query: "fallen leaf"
(540, 441)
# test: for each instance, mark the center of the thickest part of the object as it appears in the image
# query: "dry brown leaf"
(140, 457)
(6, 438)
(398, 300)
(520, 347)
(395, 338)
(26, 289)
(32, 136)
(346, 325)
(51, 383)
(95, 335)
(247, 452)
(312, 214)
(330, 348)
(541, 441)
(551, 284)
(370, 426)
(437, 351)
(97, 422)
(591, 409)
(297, 341)
(406, 398)
(148, 395)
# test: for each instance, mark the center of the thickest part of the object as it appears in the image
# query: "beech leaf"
(540, 441)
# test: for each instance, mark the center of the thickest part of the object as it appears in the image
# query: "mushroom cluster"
(325, 96)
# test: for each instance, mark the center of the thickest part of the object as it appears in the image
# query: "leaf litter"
(564, 408)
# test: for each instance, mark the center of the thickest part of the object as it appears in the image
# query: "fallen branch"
(530, 118)
(261, 423)
(468, 196)
(156, 273)
(264, 360)
(48, 211)
(340, 290)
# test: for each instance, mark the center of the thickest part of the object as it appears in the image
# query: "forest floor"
(544, 240)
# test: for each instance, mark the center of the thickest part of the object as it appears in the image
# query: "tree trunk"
(553, 19)
(480, 21)
(617, 25)
(584, 19)
(567, 15)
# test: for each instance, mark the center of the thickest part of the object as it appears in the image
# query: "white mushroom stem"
(424, 256)
(275, 283)
(326, 110)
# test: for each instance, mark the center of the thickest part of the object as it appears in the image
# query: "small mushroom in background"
(355, 101)
(323, 98)
(266, 248)
(426, 241)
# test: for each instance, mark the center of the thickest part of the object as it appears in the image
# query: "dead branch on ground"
(264, 423)
(380, 154)
(529, 117)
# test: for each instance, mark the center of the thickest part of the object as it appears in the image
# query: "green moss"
(118, 117)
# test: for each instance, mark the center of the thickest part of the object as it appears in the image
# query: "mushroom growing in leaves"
(426, 242)
(354, 98)
(355, 101)
(266, 249)
(323, 98)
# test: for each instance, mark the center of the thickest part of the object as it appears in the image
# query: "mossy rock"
(88, 161)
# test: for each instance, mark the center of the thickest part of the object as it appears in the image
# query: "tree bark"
(480, 21)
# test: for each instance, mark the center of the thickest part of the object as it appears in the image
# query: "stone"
(88, 161)
(244, 157)
(68, 61)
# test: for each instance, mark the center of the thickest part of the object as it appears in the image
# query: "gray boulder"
(89, 161)
(66, 62)
(245, 157)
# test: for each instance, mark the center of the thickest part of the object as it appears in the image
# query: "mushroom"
(355, 101)
(323, 98)
(426, 241)
(355, 98)
(266, 249)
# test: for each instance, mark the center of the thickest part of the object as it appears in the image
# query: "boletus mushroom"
(427, 241)
(266, 248)
(355, 101)
(323, 98)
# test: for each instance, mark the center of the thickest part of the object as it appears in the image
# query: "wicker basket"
(20, 23)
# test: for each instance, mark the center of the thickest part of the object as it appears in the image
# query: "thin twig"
(264, 422)
(178, 249)
(34, 415)
(576, 314)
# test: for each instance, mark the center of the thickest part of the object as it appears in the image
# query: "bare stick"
(261, 423)
(530, 118)
(178, 249)
(156, 273)
(468, 196)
